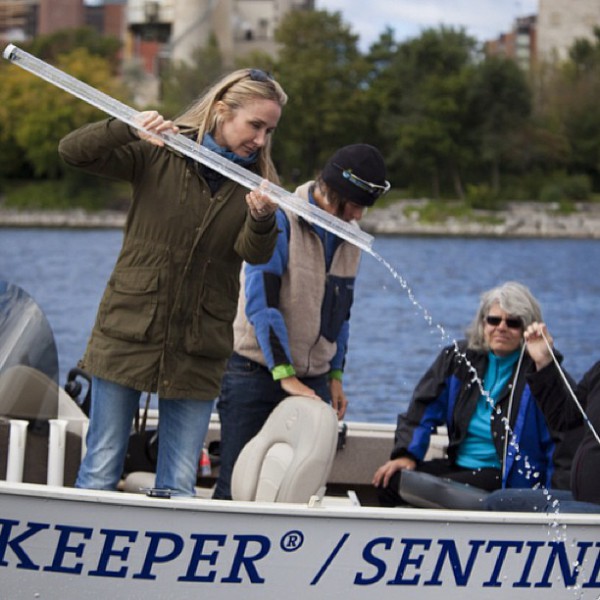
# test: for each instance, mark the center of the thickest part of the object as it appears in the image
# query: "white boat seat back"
(29, 395)
(26, 393)
(290, 458)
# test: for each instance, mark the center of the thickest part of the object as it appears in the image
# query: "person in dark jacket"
(165, 320)
(292, 325)
(564, 404)
(478, 389)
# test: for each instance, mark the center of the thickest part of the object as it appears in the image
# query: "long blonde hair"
(234, 90)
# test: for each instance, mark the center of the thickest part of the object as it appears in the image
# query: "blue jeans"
(248, 396)
(182, 428)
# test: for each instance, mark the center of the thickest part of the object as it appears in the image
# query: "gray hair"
(513, 298)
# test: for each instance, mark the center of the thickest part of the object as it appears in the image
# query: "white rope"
(571, 392)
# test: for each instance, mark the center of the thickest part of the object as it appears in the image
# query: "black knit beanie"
(364, 162)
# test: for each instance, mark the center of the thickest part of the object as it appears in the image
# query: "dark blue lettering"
(330, 558)
(197, 556)
(62, 548)
(504, 546)
(152, 556)
(240, 558)
(449, 550)
(379, 564)
(593, 582)
(292, 541)
(559, 551)
(533, 548)
(15, 544)
(109, 551)
(407, 560)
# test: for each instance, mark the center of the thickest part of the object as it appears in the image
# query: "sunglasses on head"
(511, 322)
(260, 75)
(372, 188)
(253, 74)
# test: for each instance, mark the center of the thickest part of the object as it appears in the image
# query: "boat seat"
(428, 491)
(289, 460)
(30, 395)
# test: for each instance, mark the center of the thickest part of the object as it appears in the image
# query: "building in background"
(59, 14)
(520, 44)
(547, 36)
(170, 31)
(18, 20)
(176, 28)
(21, 20)
(156, 31)
(561, 22)
(173, 29)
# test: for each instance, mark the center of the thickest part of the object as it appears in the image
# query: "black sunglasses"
(372, 188)
(511, 322)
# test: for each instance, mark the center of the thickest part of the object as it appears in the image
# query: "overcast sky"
(483, 19)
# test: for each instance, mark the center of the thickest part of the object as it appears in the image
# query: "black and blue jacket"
(448, 394)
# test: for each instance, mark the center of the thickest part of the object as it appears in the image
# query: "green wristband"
(282, 371)
(336, 374)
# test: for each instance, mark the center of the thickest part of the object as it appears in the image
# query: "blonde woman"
(164, 323)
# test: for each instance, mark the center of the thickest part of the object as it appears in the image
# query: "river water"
(397, 326)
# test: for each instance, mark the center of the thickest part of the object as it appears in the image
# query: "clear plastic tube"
(348, 231)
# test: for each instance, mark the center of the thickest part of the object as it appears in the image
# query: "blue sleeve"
(431, 405)
(338, 361)
(262, 299)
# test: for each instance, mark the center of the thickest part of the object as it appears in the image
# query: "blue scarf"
(213, 178)
(245, 161)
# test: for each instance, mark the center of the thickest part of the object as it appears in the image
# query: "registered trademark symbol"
(291, 541)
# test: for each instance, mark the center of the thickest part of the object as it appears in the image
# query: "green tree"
(182, 83)
(499, 102)
(425, 116)
(582, 116)
(323, 72)
(566, 109)
(49, 47)
(379, 86)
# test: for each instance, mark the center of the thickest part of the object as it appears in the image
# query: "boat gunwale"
(46, 492)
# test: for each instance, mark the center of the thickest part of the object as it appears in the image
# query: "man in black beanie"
(292, 325)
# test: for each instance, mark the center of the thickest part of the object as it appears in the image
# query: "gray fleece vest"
(300, 298)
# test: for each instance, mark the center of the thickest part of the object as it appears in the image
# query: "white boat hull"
(60, 543)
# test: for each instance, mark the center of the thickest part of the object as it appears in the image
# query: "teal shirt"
(477, 450)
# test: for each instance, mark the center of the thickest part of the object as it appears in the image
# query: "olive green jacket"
(165, 320)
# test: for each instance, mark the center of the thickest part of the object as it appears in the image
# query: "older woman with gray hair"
(477, 388)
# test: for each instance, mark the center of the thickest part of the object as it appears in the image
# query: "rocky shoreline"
(76, 218)
(519, 219)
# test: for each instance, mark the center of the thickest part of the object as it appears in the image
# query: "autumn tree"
(34, 114)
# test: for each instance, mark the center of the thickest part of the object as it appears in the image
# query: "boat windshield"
(28, 358)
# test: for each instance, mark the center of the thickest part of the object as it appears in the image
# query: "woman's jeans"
(182, 427)
(248, 396)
